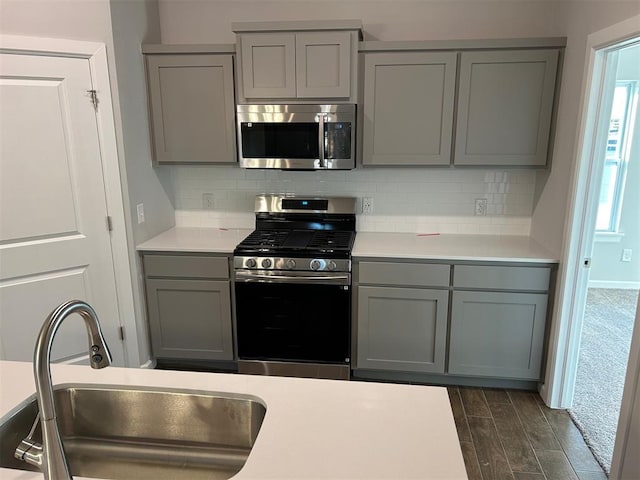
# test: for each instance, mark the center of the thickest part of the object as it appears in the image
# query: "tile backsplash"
(404, 200)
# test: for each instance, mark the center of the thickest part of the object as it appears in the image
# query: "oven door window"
(279, 140)
(305, 323)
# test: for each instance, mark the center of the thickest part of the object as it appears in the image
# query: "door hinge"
(109, 223)
(121, 333)
(586, 263)
(93, 95)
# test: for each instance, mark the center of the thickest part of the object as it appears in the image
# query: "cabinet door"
(323, 64)
(408, 108)
(190, 319)
(268, 65)
(192, 108)
(504, 107)
(497, 334)
(402, 329)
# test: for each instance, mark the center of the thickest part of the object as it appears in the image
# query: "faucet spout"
(52, 459)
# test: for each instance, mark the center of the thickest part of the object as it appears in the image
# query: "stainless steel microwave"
(297, 137)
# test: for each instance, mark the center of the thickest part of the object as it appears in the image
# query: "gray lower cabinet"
(498, 320)
(472, 322)
(402, 329)
(192, 107)
(408, 108)
(497, 334)
(189, 312)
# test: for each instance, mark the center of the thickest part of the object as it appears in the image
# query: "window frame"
(622, 158)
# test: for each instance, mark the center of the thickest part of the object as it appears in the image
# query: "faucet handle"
(30, 452)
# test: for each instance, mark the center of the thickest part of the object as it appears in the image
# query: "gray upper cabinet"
(192, 107)
(505, 107)
(297, 61)
(323, 65)
(476, 103)
(268, 65)
(408, 108)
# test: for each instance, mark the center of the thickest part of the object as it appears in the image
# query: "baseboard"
(151, 363)
(614, 284)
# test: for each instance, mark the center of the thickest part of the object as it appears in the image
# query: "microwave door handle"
(321, 119)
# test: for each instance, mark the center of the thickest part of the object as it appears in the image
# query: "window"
(625, 99)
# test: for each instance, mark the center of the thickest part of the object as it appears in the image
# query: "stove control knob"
(317, 264)
(266, 263)
(332, 265)
(251, 263)
(291, 264)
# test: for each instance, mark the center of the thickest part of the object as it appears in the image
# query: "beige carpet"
(602, 363)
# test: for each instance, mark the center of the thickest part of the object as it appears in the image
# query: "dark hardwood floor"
(510, 434)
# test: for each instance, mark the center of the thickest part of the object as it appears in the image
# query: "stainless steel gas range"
(293, 287)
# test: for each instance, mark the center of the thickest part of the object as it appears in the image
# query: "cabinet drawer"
(421, 275)
(186, 266)
(501, 278)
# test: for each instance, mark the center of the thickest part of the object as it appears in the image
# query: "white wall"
(607, 267)
(92, 21)
(575, 20)
(404, 199)
(134, 23)
(195, 21)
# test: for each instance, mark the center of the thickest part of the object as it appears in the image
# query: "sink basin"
(122, 432)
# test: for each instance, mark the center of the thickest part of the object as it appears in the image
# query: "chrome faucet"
(49, 456)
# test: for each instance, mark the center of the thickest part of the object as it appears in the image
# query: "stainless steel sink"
(123, 433)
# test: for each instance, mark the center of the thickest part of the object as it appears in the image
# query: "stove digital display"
(300, 204)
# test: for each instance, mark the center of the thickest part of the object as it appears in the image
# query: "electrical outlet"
(481, 206)
(367, 205)
(207, 201)
(140, 211)
(626, 254)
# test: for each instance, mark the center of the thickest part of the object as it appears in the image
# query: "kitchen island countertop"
(313, 429)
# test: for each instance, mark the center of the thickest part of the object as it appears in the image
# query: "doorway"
(606, 231)
(70, 153)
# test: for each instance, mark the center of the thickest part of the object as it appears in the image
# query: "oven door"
(296, 318)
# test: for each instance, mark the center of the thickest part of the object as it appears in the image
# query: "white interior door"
(54, 241)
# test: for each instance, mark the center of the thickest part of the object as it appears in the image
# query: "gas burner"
(289, 233)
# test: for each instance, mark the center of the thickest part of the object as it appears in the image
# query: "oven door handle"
(344, 279)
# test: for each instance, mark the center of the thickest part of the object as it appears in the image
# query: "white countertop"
(196, 239)
(480, 248)
(313, 429)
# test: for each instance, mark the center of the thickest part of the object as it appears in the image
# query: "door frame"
(96, 54)
(557, 392)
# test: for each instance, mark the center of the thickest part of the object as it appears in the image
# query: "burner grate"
(265, 238)
(331, 240)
